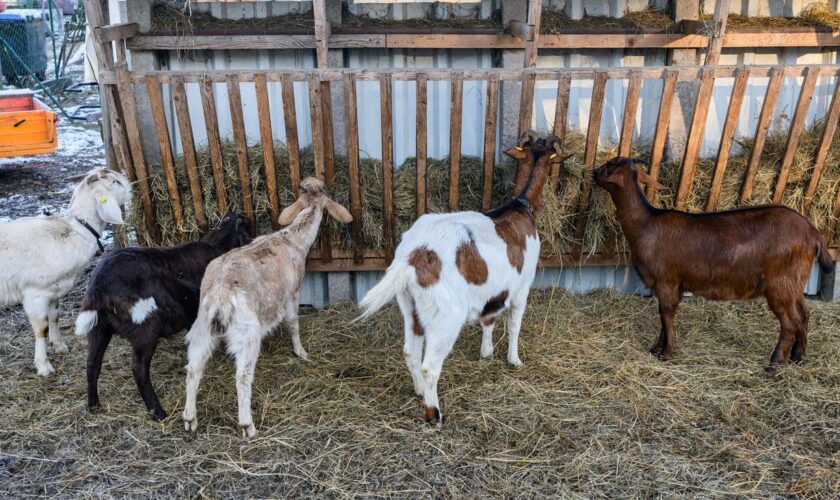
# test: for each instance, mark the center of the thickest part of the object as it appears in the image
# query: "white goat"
(247, 292)
(458, 267)
(43, 256)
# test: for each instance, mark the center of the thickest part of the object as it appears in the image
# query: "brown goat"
(737, 254)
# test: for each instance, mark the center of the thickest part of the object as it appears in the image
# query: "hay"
(431, 21)
(590, 414)
(554, 22)
(815, 15)
(174, 18)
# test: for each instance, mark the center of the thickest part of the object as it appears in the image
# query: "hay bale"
(555, 22)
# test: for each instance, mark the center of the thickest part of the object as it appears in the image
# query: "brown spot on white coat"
(426, 265)
(471, 264)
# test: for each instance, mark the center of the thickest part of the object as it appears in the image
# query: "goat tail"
(214, 317)
(396, 279)
(824, 258)
(87, 318)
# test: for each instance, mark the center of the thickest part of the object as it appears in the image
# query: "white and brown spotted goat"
(247, 292)
(465, 266)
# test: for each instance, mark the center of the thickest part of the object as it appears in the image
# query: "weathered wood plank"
(182, 113)
(736, 98)
(387, 165)
(422, 142)
(240, 144)
(290, 123)
(457, 101)
(764, 118)
(822, 150)
(352, 131)
(631, 105)
(561, 110)
(267, 140)
(211, 122)
(532, 44)
(162, 132)
(490, 117)
(593, 131)
(669, 85)
(695, 137)
(526, 102)
(796, 126)
(319, 153)
(718, 31)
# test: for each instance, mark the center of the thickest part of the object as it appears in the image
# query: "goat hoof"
(655, 350)
(487, 354)
(248, 430)
(190, 423)
(302, 354)
(516, 363)
(774, 367)
(433, 416)
(159, 414)
(45, 369)
(60, 348)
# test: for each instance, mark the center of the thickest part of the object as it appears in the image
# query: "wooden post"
(491, 112)
(352, 130)
(182, 113)
(561, 111)
(770, 96)
(695, 136)
(240, 144)
(457, 99)
(322, 32)
(796, 126)
(526, 101)
(211, 122)
(387, 165)
(593, 131)
(631, 104)
(719, 30)
(161, 129)
(531, 46)
(669, 86)
(319, 152)
(822, 150)
(267, 140)
(728, 133)
(290, 123)
(422, 142)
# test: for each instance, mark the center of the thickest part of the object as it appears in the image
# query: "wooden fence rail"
(331, 255)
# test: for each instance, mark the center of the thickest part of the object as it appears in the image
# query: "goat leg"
(98, 340)
(140, 363)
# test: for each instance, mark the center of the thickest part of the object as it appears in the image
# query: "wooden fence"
(329, 257)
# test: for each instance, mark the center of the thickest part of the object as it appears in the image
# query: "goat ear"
(646, 179)
(289, 213)
(517, 153)
(338, 212)
(555, 158)
(107, 208)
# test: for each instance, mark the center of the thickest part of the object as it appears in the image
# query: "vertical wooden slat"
(695, 136)
(267, 140)
(534, 21)
(561, 110)
(329, 162)
(387, 164)
(352, 130)
(742, 75)
(240, 144)
(182, 112)
(822, 150)
(290, 123)
(669, 85)
(764, 119)
(490, 115)
(132, 128)
(161, 129)
(322, 31)
(832, 223)
(457, 100)
(422, 142)
(796, 126)
(526, 101)
(211, 122)
(593, 131)
(319, 148)
(631, 105)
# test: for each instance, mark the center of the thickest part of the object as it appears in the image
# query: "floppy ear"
(555, 158)
(338, 212)
(289, 213)
(517, 153)
(646, 179)
(107, 208)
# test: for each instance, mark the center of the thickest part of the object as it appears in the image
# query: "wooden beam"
(669, 85)
(114, 32)
(211, 122)
(490, 118)
(593, 131)
(421, 142)
(561, 111)
(290, 123)
(695, 137)
(532, 45)
(218, 42)
(267, 140)
(736, 98)
(718, 31)
(351, 125)
(386, 119)
(457, 100)
(322, 32)
(829, 129)
(796, 126)
(319, 137)
(182, 114)
(764, 119)
(526, 101)
(631, 105)
(240, 144)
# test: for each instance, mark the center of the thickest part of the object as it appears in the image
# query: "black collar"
(526, 204)
(93, 232)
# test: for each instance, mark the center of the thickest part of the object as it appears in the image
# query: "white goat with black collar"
(466, 266)
(43, 256)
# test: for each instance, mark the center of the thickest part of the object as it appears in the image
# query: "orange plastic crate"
(27, 126)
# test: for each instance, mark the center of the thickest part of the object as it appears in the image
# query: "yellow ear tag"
(519, 149)
(102, 198)
(553, 156)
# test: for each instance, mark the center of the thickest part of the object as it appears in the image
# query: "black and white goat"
(42, 256)
(465, 266)
(142, 294)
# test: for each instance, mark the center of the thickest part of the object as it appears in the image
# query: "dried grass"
(555, 22)
(591, 413)
(173, 17)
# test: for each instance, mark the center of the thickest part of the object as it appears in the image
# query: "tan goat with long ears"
(248, 292)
